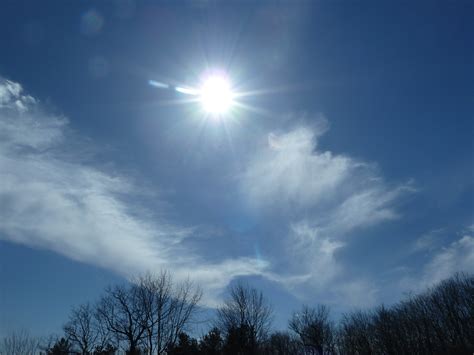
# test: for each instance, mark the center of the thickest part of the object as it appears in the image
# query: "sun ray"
(276, 90)
(175, 102)
(260, 111)
(186, 90)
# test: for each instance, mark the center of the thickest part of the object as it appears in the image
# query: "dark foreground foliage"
(153, 316)
(439, 321)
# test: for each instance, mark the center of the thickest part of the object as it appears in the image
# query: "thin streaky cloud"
(52, 200)
(323, 198)
(443, 261)
(58, 202)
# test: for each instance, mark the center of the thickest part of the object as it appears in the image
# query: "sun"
(216, 95)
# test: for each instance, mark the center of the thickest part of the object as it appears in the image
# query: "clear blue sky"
(347, 178)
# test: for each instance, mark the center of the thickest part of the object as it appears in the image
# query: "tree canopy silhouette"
(154, 315)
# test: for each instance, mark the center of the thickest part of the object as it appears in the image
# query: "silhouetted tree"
(61, 347)
(356, 333)
(452, 307)
(121, 311)
(81, 329)
(168, 309)
(245, 318)
(107, 349)
(438, 321)
(151, 314)
(211, 343)
(241, 340)
(385, 331)
(19, 343)
(184, 346)
(282, 343)
(315, 329)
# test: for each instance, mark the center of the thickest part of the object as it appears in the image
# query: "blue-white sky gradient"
(345, 177)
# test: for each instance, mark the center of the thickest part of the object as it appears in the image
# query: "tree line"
(155, 315)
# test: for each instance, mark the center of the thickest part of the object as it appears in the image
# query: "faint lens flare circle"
(216, 94)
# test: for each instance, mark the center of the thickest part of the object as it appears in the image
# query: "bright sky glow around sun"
(293, 146)
(216, 94)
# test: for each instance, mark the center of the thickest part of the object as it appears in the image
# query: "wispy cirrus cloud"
(290, 173)
(52, 198)
(456, 257)
(323, 198)
(445, 260)
(428, 241)
(442, 260)
(54, 195)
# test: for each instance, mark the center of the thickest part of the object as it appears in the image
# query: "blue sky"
(347, 180)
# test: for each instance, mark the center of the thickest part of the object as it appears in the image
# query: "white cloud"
(366, 207)
(50, 198)
(443, 262)
(287, 173)
(358, 293)
(312, 253)
(324, 198)
(316, 273)
(11, 95)
(456, 257)
(428, 241)
(290, 174)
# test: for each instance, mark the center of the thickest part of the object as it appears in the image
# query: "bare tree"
(283, 343)
(169, 308)
(81, 329)
(19, 343)
(438, 321)
(355, 333)
(315, 329)
(245, 316)
(122, 313)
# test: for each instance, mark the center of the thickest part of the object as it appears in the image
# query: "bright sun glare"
(216, 95)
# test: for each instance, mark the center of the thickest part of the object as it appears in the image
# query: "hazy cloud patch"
(443, 261)
(428, 241)
(323, 198)
(456, 257)
(55, 196)
(57, 201)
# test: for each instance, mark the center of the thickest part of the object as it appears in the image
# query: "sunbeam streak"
(187, 91)
(257, 110)
(215, 94)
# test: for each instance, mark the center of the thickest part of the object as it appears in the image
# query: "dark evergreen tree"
(107, 349)
(241, 341)
(61, 347)
(211, 343)
(185, 346)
